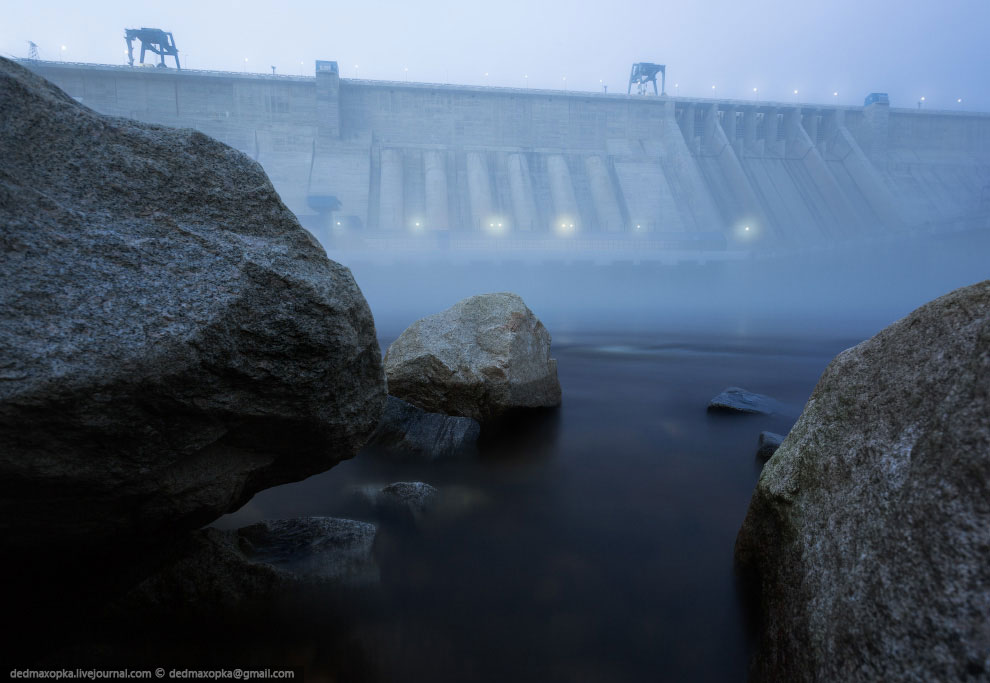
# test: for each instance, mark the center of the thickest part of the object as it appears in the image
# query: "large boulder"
(869, 531)
(171, 340)
(480, 358)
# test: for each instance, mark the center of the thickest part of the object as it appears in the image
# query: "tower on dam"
(380, 163)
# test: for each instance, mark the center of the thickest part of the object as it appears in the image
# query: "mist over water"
(850, 290)
(594, 542)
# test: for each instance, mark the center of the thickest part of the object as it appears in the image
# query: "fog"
(840, 293)
(831, 54)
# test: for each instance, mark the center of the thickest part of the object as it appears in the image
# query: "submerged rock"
(412, 432)
(259, 563)
(736, 400)
(480, 358)
(767, 445)
(171, 340)
(868, 534)
(405, 499)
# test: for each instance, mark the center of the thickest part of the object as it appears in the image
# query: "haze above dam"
(381, 164)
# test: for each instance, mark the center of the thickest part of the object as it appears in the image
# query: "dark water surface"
(592, 543)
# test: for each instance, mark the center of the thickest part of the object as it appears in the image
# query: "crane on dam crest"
(645, 72)
(152, 40)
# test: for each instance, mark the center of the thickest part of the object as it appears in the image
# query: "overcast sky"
(936, 49)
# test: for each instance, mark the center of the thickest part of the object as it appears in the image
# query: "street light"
(676, 91)
(245, 64)
(61, 54)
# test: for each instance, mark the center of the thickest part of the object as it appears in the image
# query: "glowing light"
(500, 225)
(417, 224)
(754, 90)
(795, 92)
(571, 225)
(922, 98)
(835, 94)
(338, 222)
(746, 228)
(638, 227)
(959, 100)
(491, 225)
(63, 48)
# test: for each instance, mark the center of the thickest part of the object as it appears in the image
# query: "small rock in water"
(768, 444)
(258, 563)
(736, 400)
(403, 498)
(320, 549)
(412, 432)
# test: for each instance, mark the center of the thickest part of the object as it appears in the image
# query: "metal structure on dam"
(376, 164)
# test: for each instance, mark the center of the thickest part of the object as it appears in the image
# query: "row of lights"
(526, 77)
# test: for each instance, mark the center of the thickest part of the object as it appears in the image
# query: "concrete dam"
(396, 165)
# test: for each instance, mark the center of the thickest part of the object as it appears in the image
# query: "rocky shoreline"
(174, 342)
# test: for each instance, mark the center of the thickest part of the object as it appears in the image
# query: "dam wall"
(381, 162)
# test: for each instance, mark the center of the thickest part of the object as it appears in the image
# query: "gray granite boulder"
(767, 445)
(736, 400)
(171, 340)
(258, 564)
(868, 534)
(410, 432)
(480, 358)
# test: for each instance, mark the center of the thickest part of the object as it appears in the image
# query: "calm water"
(594, 543)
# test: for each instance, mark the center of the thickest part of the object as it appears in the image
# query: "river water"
(592, 543)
